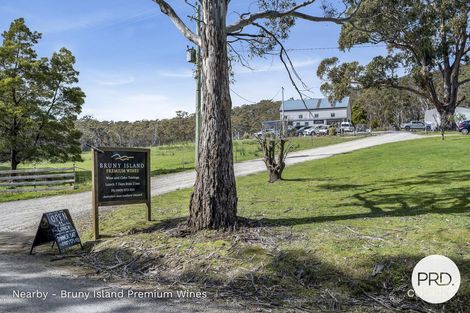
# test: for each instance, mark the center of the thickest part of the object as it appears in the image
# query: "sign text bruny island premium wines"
(122, 176)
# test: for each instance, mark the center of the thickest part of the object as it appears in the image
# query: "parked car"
(464, 127)
(266, 131)
(307, 128)
(414, 125)
(310, 131)
(300, 131)
(321, 130)
(346, 127)
(362, 128)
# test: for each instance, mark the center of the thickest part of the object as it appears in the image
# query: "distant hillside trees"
(246, 119)
(39, 100)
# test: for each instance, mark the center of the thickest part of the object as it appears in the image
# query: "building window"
(301, 116)
(297, 124)
(332, 115)
(316, 115)
(306, 123)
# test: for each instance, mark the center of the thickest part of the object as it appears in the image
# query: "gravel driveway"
(22, 272)
(18, 215)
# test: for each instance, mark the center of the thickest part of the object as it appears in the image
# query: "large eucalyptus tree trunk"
(214, 199)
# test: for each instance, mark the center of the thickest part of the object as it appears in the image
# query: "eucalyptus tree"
(427, 42)
(214, 199)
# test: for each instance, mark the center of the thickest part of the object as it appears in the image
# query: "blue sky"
(132, 59)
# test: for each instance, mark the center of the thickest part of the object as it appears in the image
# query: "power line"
(241, 97)
(322, 48)
(335, 48)
(277, 93)
(254, 102)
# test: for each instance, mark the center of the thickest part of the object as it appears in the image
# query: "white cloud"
(276, 65)
(178, 73)
(115, 106)
(94, 20)
(115, 81)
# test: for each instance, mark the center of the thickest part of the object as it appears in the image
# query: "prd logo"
(435, 279)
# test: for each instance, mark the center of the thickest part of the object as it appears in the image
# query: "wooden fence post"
(94, 209)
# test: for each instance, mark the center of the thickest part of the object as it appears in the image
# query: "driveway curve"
(21, 215)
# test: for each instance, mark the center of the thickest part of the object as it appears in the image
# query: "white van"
(346, 127)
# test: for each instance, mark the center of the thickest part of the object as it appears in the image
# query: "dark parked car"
(464, 127)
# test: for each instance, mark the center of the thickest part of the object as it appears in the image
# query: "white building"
(320, 111)
(432, 116)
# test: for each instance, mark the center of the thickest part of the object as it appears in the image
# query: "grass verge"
(312, 241)
(166, 159)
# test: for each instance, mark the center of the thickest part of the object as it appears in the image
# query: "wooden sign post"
(120, 176)
(57, 227)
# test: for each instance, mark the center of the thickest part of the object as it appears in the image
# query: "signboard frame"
(95, 181)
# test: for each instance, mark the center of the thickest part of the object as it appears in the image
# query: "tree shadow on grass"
(296, 279)
(381, 203)
(301, 179)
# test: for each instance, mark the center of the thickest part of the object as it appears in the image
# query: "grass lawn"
(166, 159)
(311, 241)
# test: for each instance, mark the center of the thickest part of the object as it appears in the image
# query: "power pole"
(198, 88)
(282, 112)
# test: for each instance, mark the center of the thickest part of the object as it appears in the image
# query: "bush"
(331, 131)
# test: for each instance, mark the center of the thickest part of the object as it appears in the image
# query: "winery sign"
(120, 176)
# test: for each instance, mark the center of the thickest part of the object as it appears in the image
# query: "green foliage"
(427, 41)
(359, 115)
(248, 118)
(384, 108)
(39, 101)
(340, 77)
(331, 130)
(459, 117)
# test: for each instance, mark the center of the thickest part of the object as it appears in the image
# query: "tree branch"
(168, 10)
(401, 87)
(283, 52)
(248, 19)
(465, 81)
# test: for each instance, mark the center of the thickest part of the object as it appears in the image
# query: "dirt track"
(22, 215)
(22, 272)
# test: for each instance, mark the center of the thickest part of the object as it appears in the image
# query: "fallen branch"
(359, 235)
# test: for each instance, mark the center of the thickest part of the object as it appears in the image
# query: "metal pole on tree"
(282, 112)
(198, 88)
